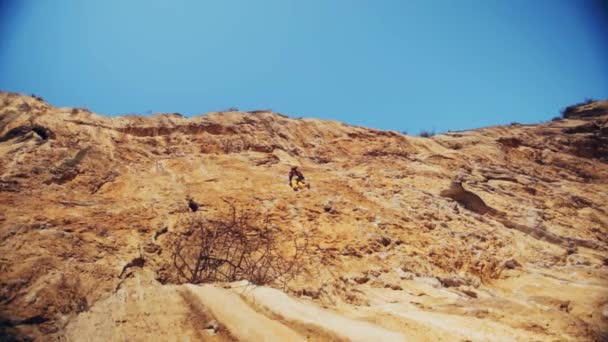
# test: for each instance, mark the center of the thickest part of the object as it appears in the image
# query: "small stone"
(328, 207)
(374, 273)
(511, 264)
(211, 325)
(385, 241)
(361, 280)
(396, 287)
(452, 281)
(193, 205)
(470, 293)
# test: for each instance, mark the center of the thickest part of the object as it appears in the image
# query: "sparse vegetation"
(24, 107)
(238, 245)
(426, 133)
(80, 109)
(37, 98)
(257, 111)
(568, 111)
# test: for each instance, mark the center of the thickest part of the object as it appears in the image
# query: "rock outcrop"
(499, 233)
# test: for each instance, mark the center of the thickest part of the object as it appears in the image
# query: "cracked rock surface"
(499, 233)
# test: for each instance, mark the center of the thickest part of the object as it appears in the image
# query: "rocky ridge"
(498, 233)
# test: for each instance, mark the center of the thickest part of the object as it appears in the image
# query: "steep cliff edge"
(499, 233)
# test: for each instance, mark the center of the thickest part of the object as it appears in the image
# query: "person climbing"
(296, 179)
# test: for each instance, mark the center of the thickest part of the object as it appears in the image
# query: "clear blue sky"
(389, 64)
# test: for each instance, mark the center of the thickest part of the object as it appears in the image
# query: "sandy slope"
(491, 234)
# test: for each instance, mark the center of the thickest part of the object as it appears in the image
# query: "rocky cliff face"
(498, 233)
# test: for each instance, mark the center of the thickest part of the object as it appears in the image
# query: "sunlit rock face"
(498, 233)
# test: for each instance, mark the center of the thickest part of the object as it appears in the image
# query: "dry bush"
(37, 98)
(572, 109)
(259, 111)
(426, 133)
(239, 245)
(230, 109)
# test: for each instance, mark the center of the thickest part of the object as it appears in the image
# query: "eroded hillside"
(492, 234)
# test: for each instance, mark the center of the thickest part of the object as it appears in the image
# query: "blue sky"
(388, 64)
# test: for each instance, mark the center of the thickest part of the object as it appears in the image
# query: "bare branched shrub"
(239, 245)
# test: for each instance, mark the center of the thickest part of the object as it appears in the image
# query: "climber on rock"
(296, 179)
